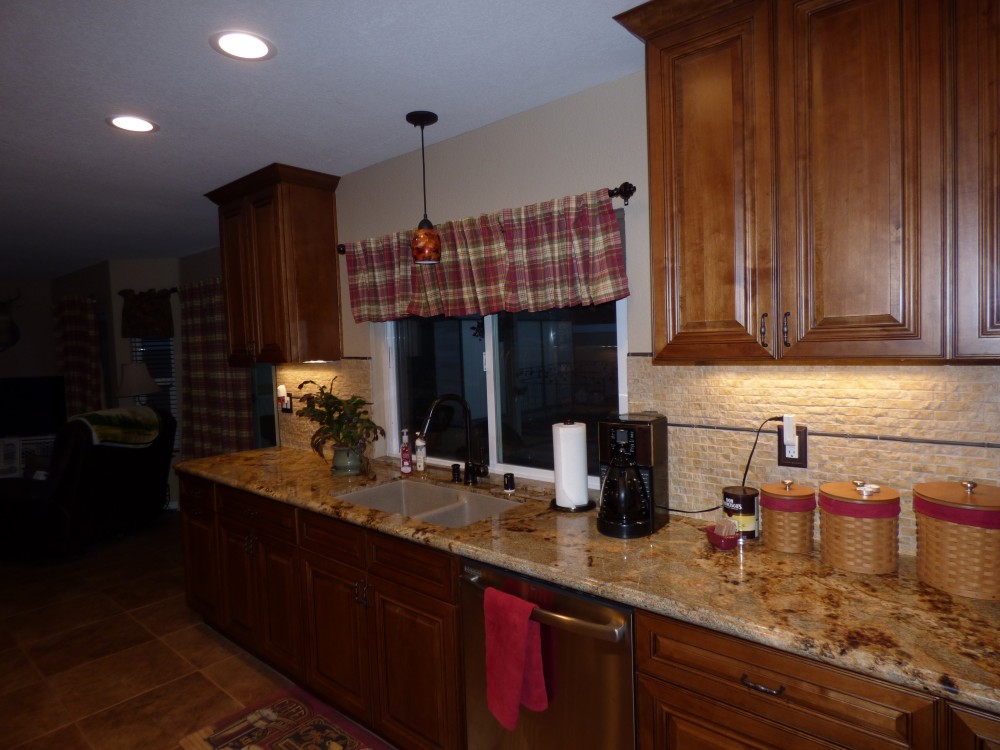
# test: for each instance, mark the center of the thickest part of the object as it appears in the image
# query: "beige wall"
(897, 426)
(584, 142)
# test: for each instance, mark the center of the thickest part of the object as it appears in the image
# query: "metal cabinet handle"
(357, 593)
(613, 630)
(784, 328)
(763, 330)
(745, 679)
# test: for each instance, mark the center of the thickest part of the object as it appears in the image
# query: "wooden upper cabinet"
(976, 301)
(861, 133)
(799, 178)
(278, 234)
(709, 109)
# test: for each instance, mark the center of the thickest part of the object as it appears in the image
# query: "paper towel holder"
(590, 505)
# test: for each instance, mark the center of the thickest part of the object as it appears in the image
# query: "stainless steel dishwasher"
(587, 649)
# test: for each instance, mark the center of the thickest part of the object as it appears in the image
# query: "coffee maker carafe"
(625, 510)
(633, 457)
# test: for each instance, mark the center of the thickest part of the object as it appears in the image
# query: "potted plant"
(343, 422)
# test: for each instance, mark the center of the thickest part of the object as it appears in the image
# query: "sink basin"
(445, 506)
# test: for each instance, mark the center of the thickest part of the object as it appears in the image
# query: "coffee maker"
(632, 451)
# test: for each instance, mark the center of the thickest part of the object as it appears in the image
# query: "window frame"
(386, 352)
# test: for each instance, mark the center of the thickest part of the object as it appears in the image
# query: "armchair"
(95, 489)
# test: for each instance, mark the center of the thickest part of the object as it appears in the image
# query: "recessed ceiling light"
(132, 123)
(243, 45)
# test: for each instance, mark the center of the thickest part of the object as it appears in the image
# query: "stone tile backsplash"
(895, 426)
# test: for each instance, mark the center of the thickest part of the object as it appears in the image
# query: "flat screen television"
(32, 406)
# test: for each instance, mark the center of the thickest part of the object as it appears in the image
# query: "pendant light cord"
(423, 169)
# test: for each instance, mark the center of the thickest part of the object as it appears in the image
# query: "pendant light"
(426, 244)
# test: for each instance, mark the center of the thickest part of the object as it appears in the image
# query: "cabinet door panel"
(416, 647)
(671, 718)
(861, 133)
(201, 578)
(201, 573)
(972, 730)
(337, 659)
(977, 281)
(270, 303)
(710, 160)
(280, 636)
(239, 278)
(238, 581)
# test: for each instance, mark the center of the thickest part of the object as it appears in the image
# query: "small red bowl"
(721, 542)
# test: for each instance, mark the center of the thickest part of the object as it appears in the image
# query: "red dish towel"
(514, 675)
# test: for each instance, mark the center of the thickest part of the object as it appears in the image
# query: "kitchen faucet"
(471, 470)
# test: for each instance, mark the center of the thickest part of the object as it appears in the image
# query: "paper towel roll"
(569, 446)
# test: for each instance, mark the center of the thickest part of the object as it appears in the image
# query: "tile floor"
(101, 653)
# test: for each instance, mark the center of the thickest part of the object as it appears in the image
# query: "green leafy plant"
(343, 422)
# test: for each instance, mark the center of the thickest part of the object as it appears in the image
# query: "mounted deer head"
(9, 332)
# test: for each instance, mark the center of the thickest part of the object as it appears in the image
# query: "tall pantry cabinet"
(799, 174)
(278, 235)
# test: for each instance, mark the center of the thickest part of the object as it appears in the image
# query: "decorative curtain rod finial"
(624, 191)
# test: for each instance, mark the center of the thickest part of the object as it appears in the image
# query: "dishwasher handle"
(613, 630)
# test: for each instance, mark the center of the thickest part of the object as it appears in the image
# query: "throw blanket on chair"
(137, 426)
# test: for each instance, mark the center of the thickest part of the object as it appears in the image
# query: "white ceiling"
(74, 191)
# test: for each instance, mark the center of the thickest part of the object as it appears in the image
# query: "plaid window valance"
(559, 253)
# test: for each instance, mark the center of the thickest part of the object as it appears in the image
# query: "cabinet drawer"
(420, 568)
(263, 514)
(814, 698)
(197, 495)
(332, 538)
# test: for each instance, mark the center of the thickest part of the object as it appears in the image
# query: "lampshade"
(426, 243)
(136, 381)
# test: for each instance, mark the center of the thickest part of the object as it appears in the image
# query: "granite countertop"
(888, 626)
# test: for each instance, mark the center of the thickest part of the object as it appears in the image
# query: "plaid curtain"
(559, 253)
(216, 411)
(564, 253)
(386, 284)
(78, 343)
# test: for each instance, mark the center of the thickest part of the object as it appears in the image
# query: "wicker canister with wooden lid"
(787, 511)
(958, 537)
(859, 526)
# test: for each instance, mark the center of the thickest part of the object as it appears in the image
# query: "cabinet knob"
(969, 486)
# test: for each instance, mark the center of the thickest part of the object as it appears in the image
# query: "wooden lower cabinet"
(201, 570)
(969, 729)
(382, 632)
(416, 647)
(693, 682)
(672, 717)
(367, 622)
(258, 568)
(337, 665)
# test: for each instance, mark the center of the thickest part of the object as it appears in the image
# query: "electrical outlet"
(784, 459)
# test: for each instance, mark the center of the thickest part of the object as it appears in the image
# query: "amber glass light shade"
(426, 244)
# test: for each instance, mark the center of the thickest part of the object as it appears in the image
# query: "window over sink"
(519, 372)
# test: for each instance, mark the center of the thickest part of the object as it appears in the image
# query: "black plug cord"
(745, 471)
(750, 457)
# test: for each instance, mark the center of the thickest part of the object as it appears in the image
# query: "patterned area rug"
(289, 720)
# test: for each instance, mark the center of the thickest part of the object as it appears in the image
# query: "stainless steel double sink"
(433, 503)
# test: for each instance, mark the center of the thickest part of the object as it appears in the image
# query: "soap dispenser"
(405, 462)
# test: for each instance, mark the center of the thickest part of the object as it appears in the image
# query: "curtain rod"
(624, 191)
